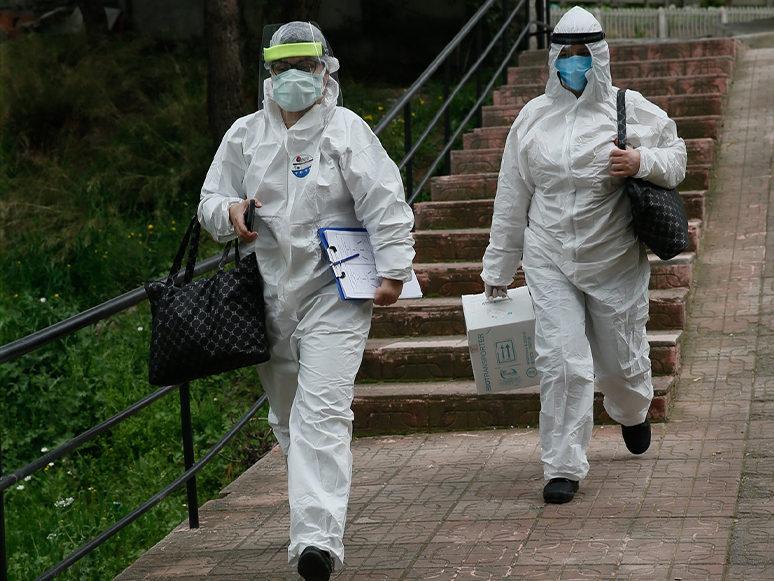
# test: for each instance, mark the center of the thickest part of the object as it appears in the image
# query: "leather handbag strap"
(193, 233)
(621, 107)
(178, 261)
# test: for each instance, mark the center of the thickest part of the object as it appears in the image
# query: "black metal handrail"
(404, 103)
(67, 327)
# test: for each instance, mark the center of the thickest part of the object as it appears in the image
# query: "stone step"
(441, 358)
(518, 95)
(471, 161)
(705, 127)
(469, 244)
(675, 106)
(657, 50)
(443, 316)
(715, 65)
(453, 279)
(478, 213)
(480, 186)
(398, 408)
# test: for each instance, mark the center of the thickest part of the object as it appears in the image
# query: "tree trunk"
(225, 76)
(94, 18)
(303, 10)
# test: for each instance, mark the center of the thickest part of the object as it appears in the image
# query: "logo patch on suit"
(302, 164)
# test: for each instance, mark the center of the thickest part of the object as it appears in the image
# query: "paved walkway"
(698, 505)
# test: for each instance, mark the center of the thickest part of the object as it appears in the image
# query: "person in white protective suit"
(562, 210)
(310, 164)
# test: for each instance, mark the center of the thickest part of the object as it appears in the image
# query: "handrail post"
(3, 556)
(446, 116)
(525, 42)
(548, 23)
(407, 146)
(479, 111)
(505, 39)
(541, 39)
(188, 454)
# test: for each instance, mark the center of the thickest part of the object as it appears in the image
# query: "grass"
(102, 155)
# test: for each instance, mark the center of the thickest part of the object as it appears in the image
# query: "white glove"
(495, 292)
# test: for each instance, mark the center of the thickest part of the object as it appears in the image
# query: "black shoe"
(560, 490)
(315, 564)
(637, 438)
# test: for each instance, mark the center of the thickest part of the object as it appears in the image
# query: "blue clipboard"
(335, 260)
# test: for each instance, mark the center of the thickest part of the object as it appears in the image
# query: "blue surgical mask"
(296, 90)
(573, 71)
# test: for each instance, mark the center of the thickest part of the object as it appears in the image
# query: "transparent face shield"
(297, 46)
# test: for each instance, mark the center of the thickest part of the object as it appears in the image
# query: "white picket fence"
(668, 22)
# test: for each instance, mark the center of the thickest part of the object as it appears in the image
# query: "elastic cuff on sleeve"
(645, 164)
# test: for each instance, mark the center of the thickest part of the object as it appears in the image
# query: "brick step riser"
(446, 281)
(635, 70)
(481, 186)
(718, 84)
(651, 51)
(379, 416)
(473, 161)
(478, 213)
(442, 246)
(421, 321)
(673, 105)
(687, 127)
(453, 363)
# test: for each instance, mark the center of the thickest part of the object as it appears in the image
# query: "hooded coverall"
(327, 170)
(561, 213)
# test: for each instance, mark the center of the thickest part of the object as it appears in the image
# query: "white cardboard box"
(501, 337)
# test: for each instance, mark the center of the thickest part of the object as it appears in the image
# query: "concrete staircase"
(416, 372)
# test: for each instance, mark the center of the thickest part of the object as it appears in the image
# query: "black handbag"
(207, 326)
(658, 214)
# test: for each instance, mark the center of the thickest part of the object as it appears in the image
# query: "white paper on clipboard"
(354, 266)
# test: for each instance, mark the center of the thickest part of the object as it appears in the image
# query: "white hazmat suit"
(327, 170)
(561, 213)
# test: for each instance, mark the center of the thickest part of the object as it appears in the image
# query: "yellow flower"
(56, 294)
(150, 226)
(380, 107)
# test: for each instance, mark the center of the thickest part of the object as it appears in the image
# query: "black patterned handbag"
(658, 214)
(209, 325)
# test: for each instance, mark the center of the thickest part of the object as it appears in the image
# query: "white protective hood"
(580, 21)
